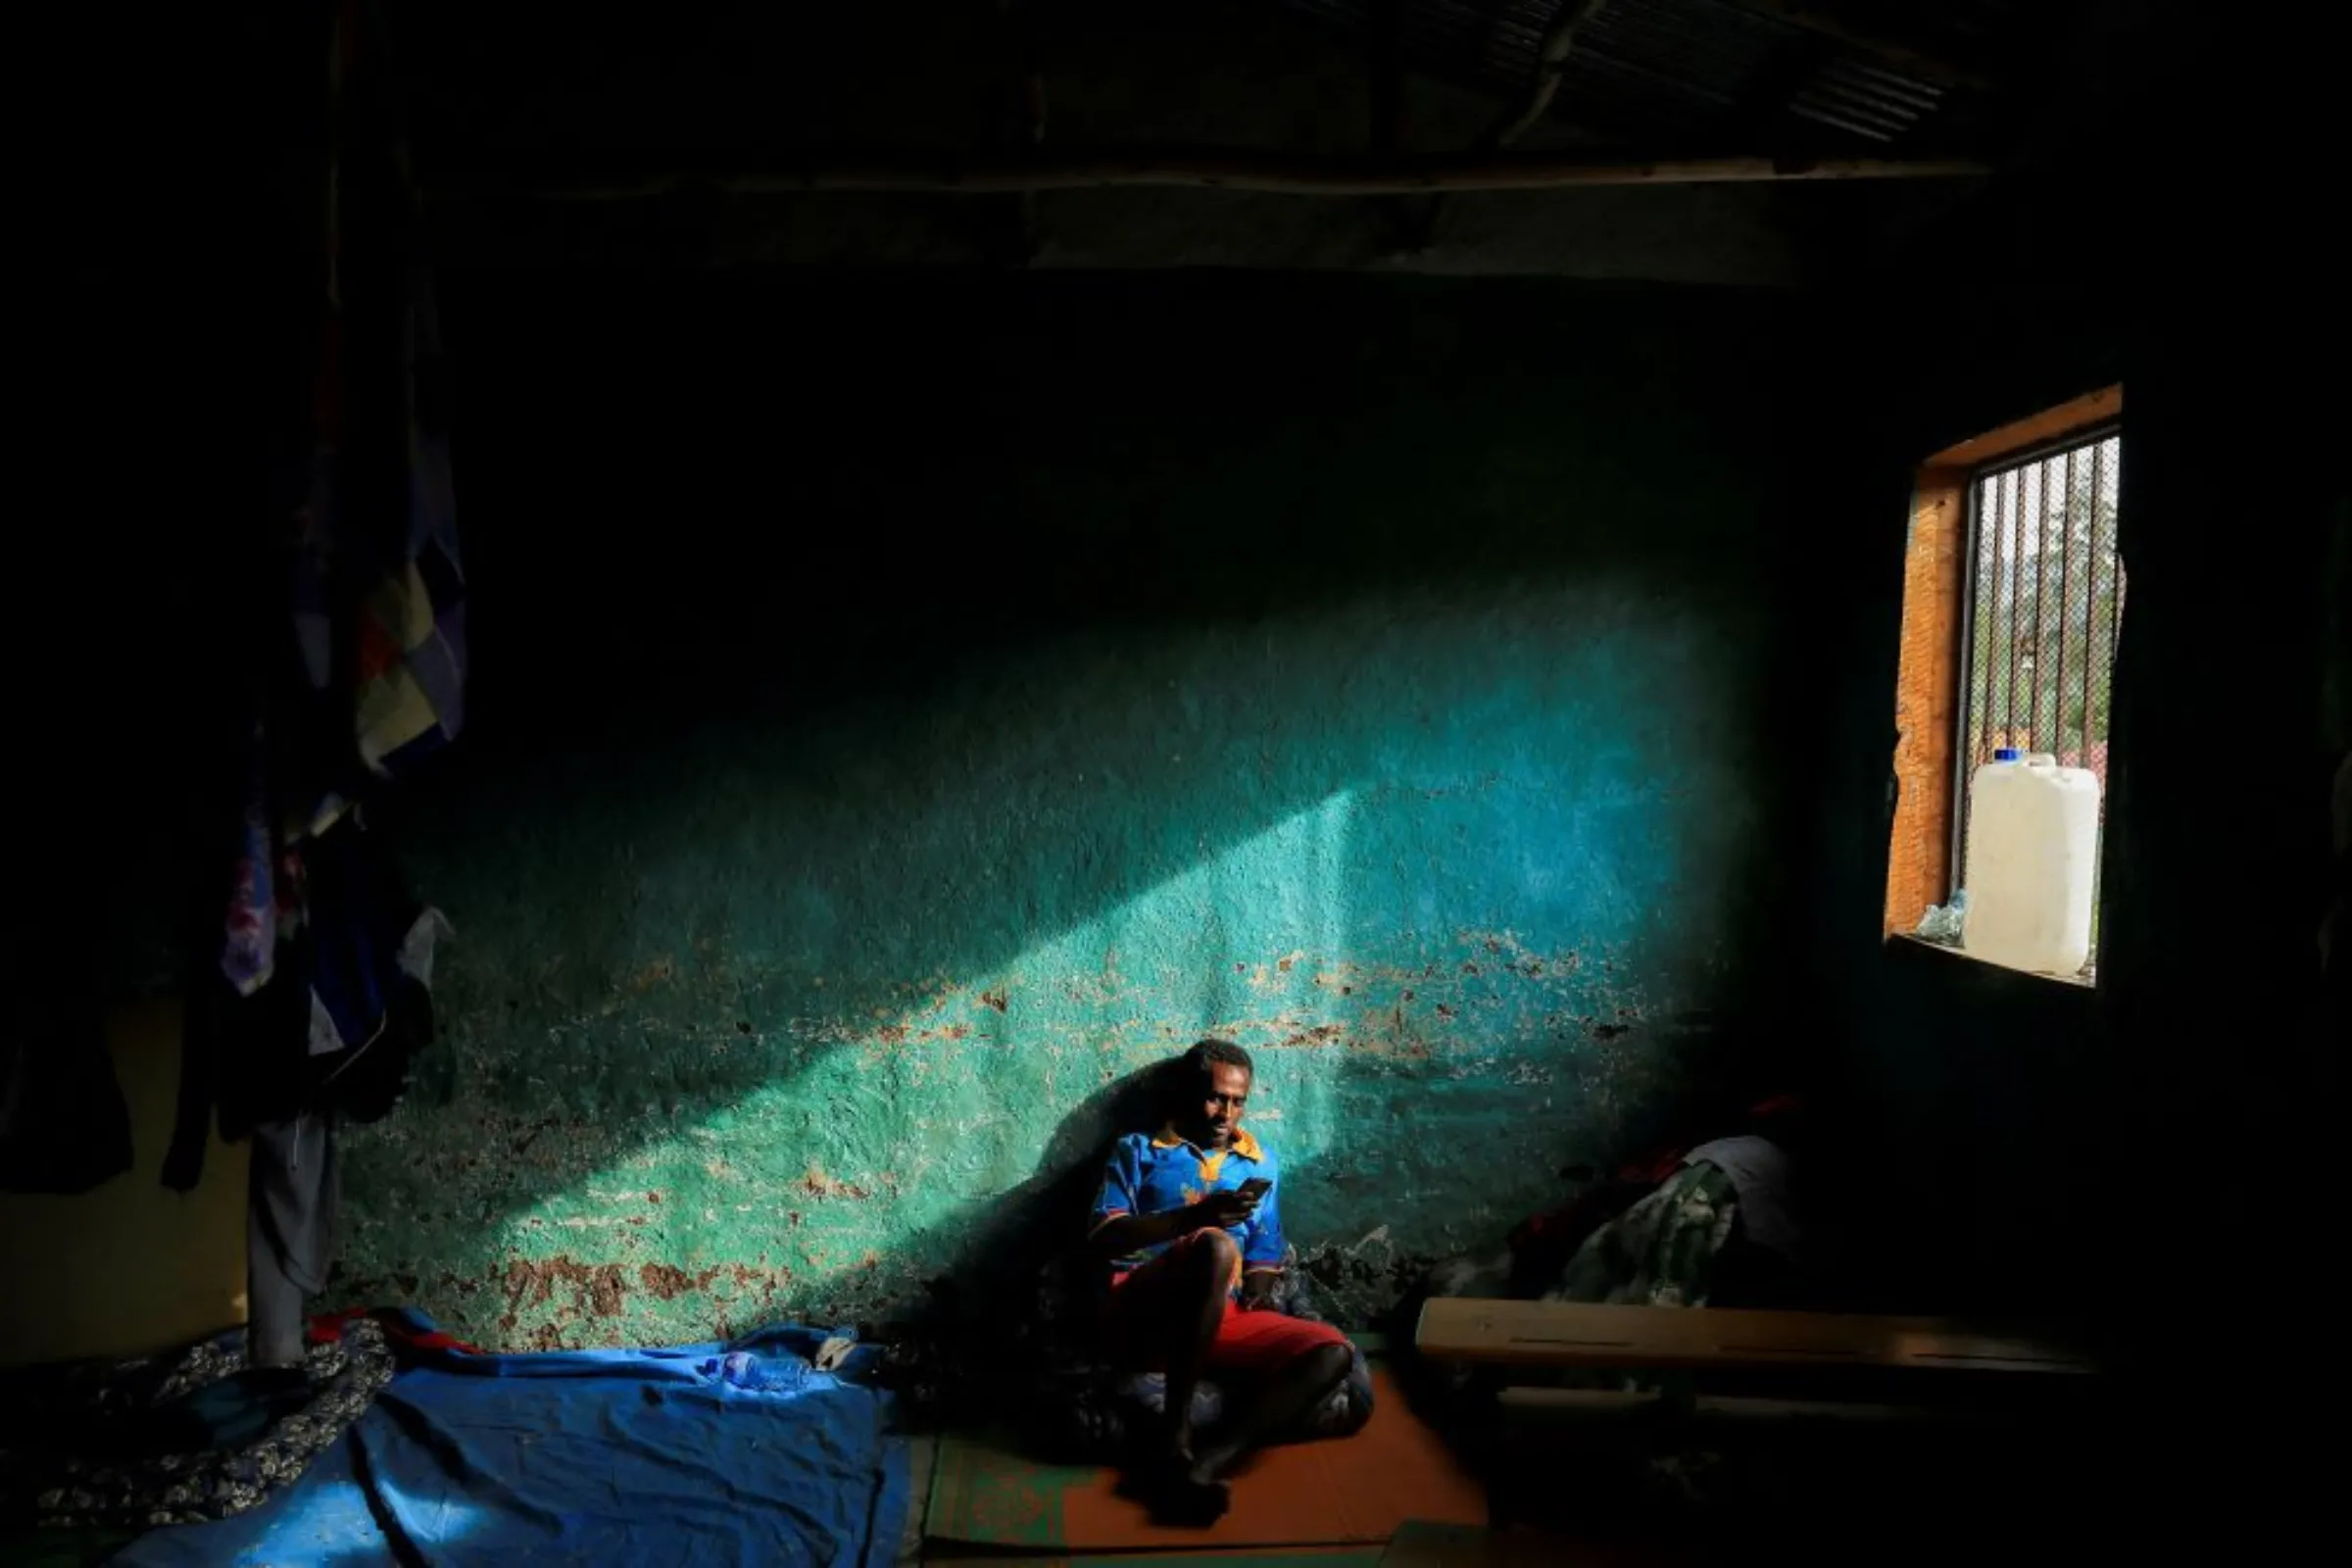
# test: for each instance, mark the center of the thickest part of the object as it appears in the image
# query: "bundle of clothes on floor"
(182, 1437)
(1686, 1225)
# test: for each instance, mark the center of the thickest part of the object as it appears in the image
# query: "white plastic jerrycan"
(2032, 862)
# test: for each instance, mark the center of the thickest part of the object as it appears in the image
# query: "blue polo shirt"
(1151, 1175)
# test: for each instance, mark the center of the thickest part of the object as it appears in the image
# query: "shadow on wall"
(1409, 726)
(1004, 1246)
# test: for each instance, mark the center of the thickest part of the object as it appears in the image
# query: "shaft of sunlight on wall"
(1451, 867)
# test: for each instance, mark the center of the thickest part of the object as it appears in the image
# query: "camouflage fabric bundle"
(1661, 1251)
(175, 1440)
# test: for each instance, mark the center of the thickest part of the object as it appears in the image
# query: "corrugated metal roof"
(1726, 76)
(1869, 100)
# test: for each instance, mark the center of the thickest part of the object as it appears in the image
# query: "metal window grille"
(2045, 602)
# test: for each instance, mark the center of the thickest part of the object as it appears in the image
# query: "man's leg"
(1198, 1297)
(1289, 1394)
(1179, 1300)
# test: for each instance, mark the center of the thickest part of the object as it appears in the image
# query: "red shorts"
(1259, 1341)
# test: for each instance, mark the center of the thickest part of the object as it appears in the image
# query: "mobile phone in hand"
(1255, 1187)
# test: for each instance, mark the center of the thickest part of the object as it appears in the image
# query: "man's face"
(1223, 1092)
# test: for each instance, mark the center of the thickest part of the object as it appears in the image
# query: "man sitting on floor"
(1190, 1222)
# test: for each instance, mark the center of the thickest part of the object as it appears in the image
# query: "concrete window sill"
(1903, 942)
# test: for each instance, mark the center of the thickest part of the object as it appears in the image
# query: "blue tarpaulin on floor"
(703, 1454)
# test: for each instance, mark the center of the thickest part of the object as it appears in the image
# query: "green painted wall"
(904, 710)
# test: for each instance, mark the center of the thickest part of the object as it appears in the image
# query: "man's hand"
(1225, 1208)
(1125, 1233)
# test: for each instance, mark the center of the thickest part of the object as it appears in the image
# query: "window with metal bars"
(2045, 601)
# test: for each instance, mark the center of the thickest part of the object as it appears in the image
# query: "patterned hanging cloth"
(372, 679)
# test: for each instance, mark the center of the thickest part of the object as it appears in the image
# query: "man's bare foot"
(1183, 1491)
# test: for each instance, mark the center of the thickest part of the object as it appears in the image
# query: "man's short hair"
(1209, 1054)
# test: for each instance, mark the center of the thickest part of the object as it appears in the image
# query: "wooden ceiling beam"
(1280, 174)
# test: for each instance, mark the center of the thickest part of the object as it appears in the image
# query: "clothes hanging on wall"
(315, 992)
(327, 1039)
(337, 1025)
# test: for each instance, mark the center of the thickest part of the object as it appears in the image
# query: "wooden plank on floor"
(1601, 1406)
(1580, 1333)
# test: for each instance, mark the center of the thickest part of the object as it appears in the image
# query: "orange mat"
(1358, 1488)
(1420, 1544)
(1364, 1556)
